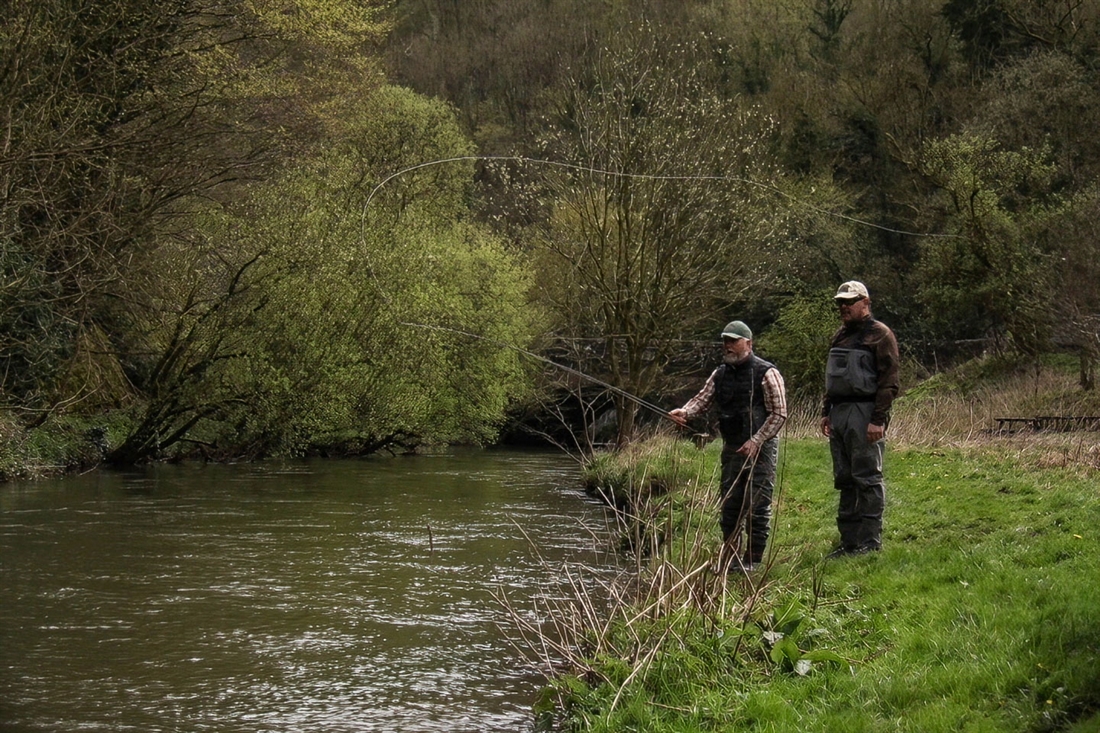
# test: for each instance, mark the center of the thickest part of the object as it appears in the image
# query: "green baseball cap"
(737, 330)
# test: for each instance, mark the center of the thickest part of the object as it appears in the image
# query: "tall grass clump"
(963, 405)
(674, 621)
(961, 408)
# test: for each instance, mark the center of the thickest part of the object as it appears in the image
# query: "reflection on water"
(317, 596)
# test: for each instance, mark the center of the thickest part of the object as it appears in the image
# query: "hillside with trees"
(244, 229)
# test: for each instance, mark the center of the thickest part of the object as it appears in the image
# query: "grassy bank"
(57, 445)
(981, 614)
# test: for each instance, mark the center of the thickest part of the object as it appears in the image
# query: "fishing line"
(610, 387)
(599, 171)
(653, 177)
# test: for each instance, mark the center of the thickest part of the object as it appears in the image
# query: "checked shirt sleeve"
(775, 400)
(701, 402)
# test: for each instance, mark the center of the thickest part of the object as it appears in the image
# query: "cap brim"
(732, 336)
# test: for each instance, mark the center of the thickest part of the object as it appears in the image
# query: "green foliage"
(660, 217)
(829, 16)
(56, 444)
(798, 342)
(381, 324)
(992, 372)
(996, 31)
(943, 149)
(966, 122)
(85, 171)
(1072, 240)
(989, 274)
(124, 118)
(37, 338)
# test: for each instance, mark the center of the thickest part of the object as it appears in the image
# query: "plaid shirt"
(775, 402)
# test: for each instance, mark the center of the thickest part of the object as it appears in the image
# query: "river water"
(311, 596)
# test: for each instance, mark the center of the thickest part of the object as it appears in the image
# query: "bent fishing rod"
(576, 372)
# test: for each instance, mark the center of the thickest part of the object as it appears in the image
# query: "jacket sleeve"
(775, 400)
(887, 363)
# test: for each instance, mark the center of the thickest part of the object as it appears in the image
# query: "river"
(295, 596)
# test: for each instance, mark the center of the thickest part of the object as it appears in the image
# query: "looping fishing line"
(749, 466)
(646, 176)
(597, 171)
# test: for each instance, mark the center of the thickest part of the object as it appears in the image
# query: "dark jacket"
(877, 338)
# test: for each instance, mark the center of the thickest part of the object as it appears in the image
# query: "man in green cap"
(861, 382)
(752, 406)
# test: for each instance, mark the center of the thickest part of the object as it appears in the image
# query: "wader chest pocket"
(850, 373)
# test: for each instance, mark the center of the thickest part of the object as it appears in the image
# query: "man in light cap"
(752, 407)
(861, 382)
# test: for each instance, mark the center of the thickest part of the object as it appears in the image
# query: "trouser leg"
(734, 497)
(857, 475)
(747, 504)
(847, 516)
(760, 515)
(867, 477)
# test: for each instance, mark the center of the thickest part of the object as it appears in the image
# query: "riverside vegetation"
(245, 229)
(982, 613)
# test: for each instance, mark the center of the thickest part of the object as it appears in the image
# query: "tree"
(117, 120)
(987, 274)
(993, 31)
(659, 219)
(799, 341)
(494, 59)
(354, 318)
(94, 153)
(1072, 239)
(829, 16)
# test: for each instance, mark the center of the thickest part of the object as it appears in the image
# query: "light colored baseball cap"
(737, 330)
(852, 290)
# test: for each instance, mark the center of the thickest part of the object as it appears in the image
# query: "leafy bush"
(798, 342)
(383, 319)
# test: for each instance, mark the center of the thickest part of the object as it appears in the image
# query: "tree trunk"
(627, 411)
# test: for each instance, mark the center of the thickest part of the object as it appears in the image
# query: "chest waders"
(746, 486)
(851, 382)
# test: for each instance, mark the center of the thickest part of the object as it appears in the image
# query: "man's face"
(852, 311)
(736, 351)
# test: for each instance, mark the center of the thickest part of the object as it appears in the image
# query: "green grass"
(62, 443)
(982, 613)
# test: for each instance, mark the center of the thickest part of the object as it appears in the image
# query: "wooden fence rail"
(1053, 423)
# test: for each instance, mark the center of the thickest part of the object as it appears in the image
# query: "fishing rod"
(576, 372)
